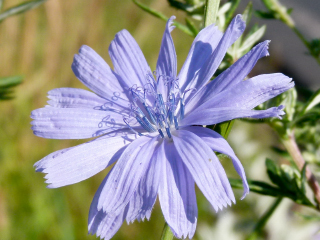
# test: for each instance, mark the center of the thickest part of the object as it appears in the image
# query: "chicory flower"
(150, 123)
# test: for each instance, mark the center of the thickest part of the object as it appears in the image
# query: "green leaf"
(257, 187)
(6, 85)
(314, 46)
(191, 8)
(290, 102)
(224, 128)
(273, 172)
(21, 8)
(192, 27)
(313, 101)
(166, 233)
(221, 16)
(289, 11)
(7, 82)
(290, 181)
(251, 39)
(229, 15)
(247, 13)
(265, 15)
(163, 17)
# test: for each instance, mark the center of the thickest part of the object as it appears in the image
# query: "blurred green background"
(40, 45)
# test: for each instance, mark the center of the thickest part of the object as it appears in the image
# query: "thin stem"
(290, 143)
(211, 12)
(306, 43)
(166, 233)
(263, 220)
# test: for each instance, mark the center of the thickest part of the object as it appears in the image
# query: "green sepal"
(224, 128)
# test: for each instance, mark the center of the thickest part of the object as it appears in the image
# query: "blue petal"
(204, 167)
(217, 115)
(75, 164)
(74, 98)
(201, 49)
(96, 74)
(176, 193)
(250, 93)
(230, 77)
(167, 60)
(142, 202)
(126, 175)
(74, 123)
(232, 33)
(217, 143)
(128, 60)
(100, 223)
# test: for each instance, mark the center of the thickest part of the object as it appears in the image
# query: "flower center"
(157, 106)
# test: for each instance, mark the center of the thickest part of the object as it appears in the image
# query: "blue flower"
(147, 122)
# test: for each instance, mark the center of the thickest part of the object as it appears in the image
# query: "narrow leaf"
(160, 15)
(313, 101)
(224, 128)
(253, 38)
(21, 8)
(7, 82)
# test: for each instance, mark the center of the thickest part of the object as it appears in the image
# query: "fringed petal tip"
(170, 23)
(267, 42)
(280, 111)
(238, 20)
(265, 52)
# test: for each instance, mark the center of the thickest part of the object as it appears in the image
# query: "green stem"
(263, 220)
(166, 233)
(211, 12)
(290, 144)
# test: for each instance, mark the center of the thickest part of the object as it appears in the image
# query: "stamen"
(127, 123)
(143, 124)
(168, 132)
(161, 133)
(176, 123)
(181, 110)
(159, 115)
(151, 115)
